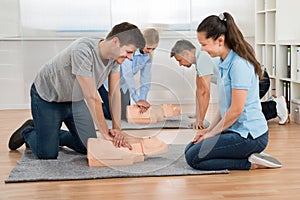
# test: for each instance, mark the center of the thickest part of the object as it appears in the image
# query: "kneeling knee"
(190, 159)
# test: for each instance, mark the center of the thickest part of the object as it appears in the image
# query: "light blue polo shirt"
(206, 65)
(237, 73)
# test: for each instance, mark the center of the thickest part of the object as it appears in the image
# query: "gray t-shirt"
(56, 80)
(205, 65)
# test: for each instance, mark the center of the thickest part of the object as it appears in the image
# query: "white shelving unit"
(276, 30)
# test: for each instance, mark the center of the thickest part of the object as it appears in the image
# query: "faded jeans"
(227, 150)
(46, 136)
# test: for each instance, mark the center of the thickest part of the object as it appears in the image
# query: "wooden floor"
(282, 183)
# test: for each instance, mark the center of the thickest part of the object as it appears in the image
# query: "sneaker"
(264, 159)
(282, 111)
(16, 140)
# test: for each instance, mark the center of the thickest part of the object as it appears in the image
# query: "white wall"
(20, 59)
(288, 27)
(9, 18)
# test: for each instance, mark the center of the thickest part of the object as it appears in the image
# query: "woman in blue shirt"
(239, 133)
(141, 62)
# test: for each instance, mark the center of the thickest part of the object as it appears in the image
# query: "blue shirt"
(237, 73)
(205, 65)
(129, 68)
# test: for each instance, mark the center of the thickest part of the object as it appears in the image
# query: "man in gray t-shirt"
(207, 72)
(65, 91)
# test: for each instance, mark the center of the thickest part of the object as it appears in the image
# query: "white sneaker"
(264, 160)
(282, 111)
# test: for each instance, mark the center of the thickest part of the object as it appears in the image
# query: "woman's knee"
(188, 147)
(192, 158)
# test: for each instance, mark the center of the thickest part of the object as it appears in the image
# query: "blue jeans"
(105, 105)
(227, 150)
(46, 136)
(125, 101)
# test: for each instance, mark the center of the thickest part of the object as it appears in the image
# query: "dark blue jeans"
(46, 136)
(225, 151)
(125, 101)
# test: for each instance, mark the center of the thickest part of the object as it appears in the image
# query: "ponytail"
(215, 26)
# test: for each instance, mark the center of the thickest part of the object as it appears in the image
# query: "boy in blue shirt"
(141, 62)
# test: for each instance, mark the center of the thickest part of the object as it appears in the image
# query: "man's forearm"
(94, 103)
(95, 108)
(202, 105)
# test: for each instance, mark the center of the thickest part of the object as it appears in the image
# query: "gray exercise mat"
(181, 121)
(73, 166)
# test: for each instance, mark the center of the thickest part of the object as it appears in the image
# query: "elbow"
(114, 93)
(93, 100)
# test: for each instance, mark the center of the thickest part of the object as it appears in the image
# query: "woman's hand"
(201, 135)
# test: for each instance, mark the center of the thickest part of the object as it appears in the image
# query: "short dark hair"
(128, 34)
(180, 46)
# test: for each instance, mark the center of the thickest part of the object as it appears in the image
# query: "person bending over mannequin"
(207, 69)
(65, 91)
(141, 61)
(207, 72)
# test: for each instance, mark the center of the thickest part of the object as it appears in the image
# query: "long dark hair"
(215, 26)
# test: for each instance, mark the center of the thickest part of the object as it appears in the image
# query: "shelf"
(266, 11)
(265, 43)
(276, 45)
(272, 77)
(285, 79)
(295, 81)
(289, 42)
(271, 10)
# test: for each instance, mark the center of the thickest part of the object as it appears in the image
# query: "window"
(243, 12)
(168, 14)
(66, 15)
(101, 15)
